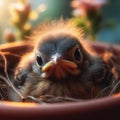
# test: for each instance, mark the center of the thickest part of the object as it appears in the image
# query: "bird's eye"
(78, 55)
(39, 60)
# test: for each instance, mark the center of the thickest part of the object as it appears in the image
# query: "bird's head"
(60, 56)
(60, 52)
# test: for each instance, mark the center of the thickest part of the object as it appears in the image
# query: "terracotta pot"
(103, 108)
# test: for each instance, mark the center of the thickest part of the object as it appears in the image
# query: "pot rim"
(107, 107)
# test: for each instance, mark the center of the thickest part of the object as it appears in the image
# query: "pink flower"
(85, 5)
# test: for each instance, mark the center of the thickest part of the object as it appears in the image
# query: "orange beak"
(59, 68)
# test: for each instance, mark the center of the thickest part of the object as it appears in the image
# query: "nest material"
(7, 69)
(3, 91)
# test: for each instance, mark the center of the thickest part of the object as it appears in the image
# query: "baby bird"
(60, 64)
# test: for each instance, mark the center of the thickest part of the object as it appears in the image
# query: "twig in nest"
(7, 79)
(3, 91)
(52, 99)
(116, 73)
(33, 99)
(114, 90)
(58, 99)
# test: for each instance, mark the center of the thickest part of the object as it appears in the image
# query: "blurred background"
(99, 18)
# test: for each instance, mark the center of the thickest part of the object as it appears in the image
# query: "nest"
(9, 57)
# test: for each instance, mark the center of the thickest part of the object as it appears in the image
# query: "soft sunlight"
(1, 2)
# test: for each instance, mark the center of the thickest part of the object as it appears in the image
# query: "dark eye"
(77, 55)
(39, 60)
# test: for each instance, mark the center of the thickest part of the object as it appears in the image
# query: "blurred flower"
(41, 8)
(27, 26)
(83, 6)
(9, 35)
(33, 15)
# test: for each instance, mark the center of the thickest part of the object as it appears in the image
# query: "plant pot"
(103, 108)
